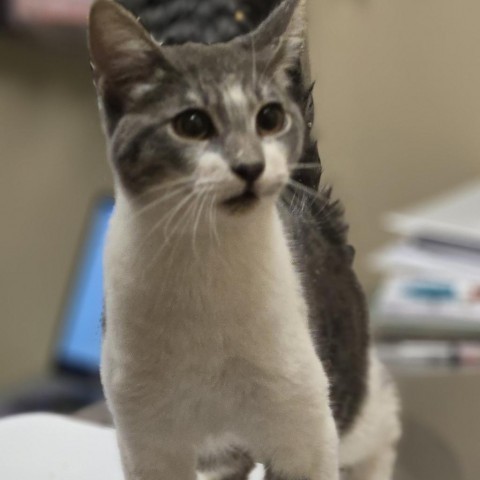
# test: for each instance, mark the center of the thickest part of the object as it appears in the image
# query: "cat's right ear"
(283, 33)
(122, 52)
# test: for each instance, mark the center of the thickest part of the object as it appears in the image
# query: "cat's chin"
(249, 200)
(243, 202)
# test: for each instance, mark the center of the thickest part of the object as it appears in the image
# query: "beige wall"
(398, 103)
(398, 108)
(51, 166)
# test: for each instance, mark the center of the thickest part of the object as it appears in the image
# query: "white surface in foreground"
(52, 447)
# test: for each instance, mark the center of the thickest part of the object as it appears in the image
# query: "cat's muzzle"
(245, 200)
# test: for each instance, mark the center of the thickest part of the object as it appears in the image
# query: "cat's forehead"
(223, 77)
(219, 63)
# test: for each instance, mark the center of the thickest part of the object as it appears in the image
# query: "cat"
(174, 22)
(235, 328)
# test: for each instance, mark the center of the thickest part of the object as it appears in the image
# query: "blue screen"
(81, 331)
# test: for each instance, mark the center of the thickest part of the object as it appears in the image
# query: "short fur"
(236, 327)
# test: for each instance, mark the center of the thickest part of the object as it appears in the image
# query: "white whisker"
(254, 60)
(175, 211)
(213, 218)
(303, 188)
(167, 185)
(158, 201)
(175, 227)
(305, 166)
(196, 223)
(167, 217)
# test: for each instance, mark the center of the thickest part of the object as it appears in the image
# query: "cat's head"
(217, 119)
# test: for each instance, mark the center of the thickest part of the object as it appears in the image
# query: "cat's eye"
(271, 119)
(194, 124)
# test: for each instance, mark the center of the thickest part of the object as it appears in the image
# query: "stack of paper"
(432, 275)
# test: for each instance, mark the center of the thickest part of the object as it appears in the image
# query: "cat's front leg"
(147, 455)
(295, 434)
(153, 443)
(294, 456)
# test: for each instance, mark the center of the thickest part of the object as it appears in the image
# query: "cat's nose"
(249, 171)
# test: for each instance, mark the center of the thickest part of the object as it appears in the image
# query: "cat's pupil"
(270, 119)
(194, 124)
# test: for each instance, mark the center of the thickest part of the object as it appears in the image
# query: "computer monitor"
(79, 342)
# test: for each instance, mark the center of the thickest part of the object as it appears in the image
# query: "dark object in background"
(259, 11)
(56, 394)
(3, 12)
(204, 21)
(72, 382)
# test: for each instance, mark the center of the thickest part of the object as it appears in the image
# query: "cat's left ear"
(282, 35)
(123, 54)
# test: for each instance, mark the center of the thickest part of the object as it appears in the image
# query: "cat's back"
(336, 302)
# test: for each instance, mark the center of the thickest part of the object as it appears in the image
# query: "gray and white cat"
(235, 328)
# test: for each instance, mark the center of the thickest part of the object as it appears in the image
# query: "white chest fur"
(209, 337)
(230, 291)
(210, 329)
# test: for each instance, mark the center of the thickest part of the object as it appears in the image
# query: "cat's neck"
(207, 241)
(239, 275)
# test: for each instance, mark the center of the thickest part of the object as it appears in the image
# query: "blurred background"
(398, 122)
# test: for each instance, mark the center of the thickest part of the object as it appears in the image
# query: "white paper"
(453, 216)
(406, 257)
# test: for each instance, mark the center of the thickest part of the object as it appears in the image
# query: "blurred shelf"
(399, 328)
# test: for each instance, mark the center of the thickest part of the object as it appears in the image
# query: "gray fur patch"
(338, 313)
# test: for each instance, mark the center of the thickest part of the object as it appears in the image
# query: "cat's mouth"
(246, 199)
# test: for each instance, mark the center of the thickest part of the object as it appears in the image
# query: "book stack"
(431, 274)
